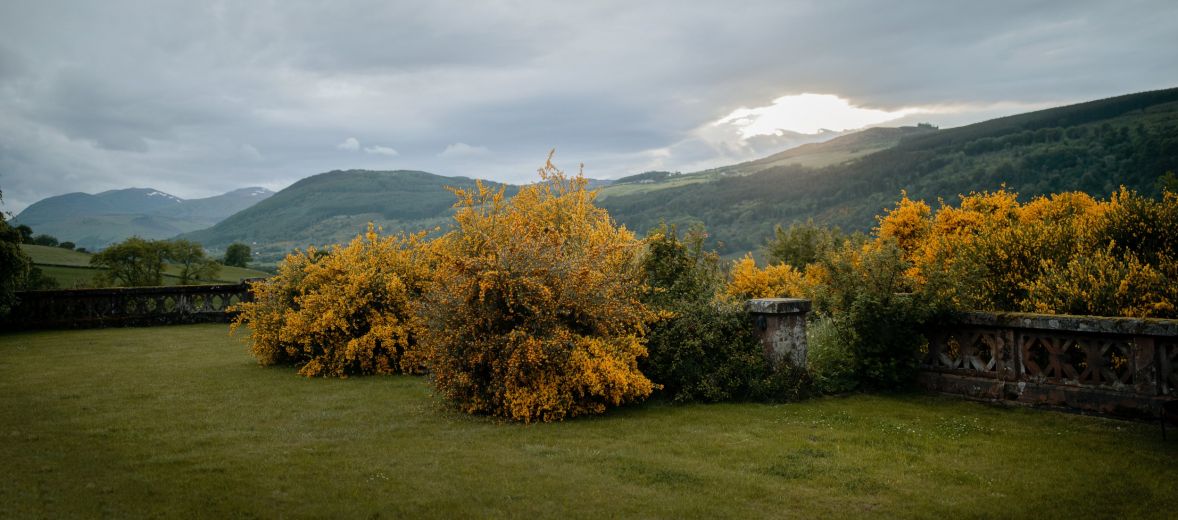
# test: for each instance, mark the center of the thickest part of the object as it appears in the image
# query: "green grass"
(55, 255)
(70, 277)
(72, 269)
(180, 421)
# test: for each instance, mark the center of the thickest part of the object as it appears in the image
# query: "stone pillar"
(781, 322)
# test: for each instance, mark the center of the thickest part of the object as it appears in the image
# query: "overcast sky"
(196, 98)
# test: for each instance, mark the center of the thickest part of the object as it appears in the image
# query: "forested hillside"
(333, 207)
(1094, 147)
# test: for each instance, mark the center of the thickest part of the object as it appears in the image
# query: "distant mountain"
(333, 207)
(96, 221)
(846, 181)
(1093, 147)
(838, 150)
(212, 210)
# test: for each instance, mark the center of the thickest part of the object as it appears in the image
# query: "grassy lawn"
(72, 269)
(180, 421)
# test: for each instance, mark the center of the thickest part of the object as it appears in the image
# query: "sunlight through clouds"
(807, 114)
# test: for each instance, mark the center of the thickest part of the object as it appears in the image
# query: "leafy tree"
(37, 281)
(800, 245)
(14, 264)
(26, 234)
(45, 240)
(67, 245)
(131, 263)
(190, 256)
(703, 348)
(237, 255)
(535, 311)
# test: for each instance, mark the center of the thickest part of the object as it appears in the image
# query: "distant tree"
(802, 244)
(237, 255)
(82, 250)
(190, 256)
(37, 281)
(67, 245)
(26, 234)
(132, 262)
(45, 240)
(14, 264)
(1167, 182)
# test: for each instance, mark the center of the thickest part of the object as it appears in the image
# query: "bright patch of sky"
(808, 114)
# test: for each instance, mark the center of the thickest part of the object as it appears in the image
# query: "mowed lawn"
(180, 421)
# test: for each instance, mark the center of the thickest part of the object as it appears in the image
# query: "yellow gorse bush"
(773, 281)
(350, 310)
(1066, 253)
(534, 313)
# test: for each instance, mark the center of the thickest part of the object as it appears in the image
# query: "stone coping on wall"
(1070, 323)
(777, 306)
(134, 291)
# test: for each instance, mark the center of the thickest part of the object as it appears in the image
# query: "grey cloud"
(176, 94)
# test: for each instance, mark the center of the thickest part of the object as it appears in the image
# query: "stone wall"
(781, 323)
(120, 307)
(1118, 366)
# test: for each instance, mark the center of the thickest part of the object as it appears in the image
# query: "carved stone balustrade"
(1118, 366)
(124, 306)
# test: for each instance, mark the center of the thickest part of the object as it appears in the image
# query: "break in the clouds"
(197, 98)
(808, 114)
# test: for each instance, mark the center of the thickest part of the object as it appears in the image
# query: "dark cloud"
(197, 98)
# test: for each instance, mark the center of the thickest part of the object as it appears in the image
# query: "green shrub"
(871, 310)
(830, 359)
(702, 348)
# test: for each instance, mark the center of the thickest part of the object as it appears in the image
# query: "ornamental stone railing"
(125, 306)
(1118, 366)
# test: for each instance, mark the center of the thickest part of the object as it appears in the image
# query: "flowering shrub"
(773, 281)
(535, 312)
(1067, 253)
(347, 311)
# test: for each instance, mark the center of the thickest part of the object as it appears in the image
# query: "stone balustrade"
(1118, 366)
(124, 306)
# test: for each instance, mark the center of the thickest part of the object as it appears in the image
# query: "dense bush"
(704, 348)
(868, 303)
(14, 264)
(535, 311)
(347, 311)
(1067, 253)
(800, 245)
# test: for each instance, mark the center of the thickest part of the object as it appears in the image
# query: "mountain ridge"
(97, 220)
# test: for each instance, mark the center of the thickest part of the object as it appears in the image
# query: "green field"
(72, 269)
(180, 421)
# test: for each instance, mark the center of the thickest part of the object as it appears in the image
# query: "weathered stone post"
(781, 323)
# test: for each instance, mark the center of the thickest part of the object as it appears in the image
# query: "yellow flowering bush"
(774, 281)
(1065, 253)
(535, 311)
(350, 310)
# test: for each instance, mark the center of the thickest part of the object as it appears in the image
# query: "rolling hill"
(95, 221)
(1094, 147)
(335, 206)
(835, 151)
